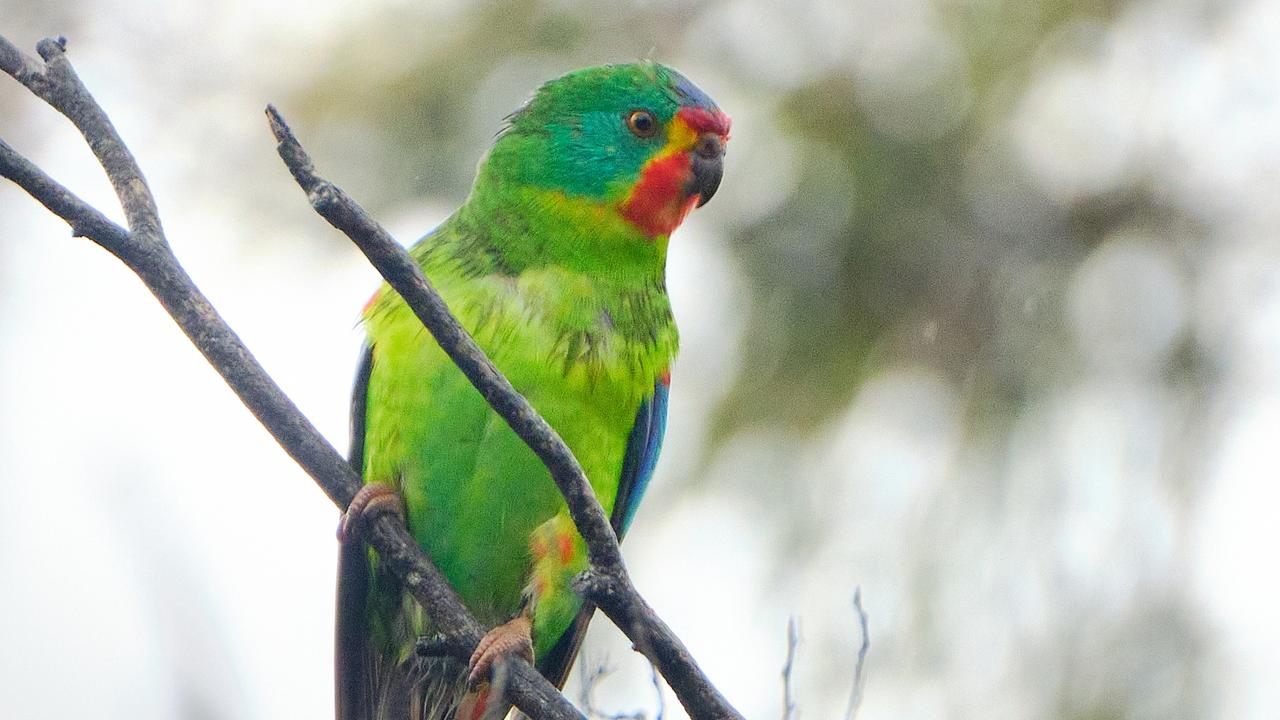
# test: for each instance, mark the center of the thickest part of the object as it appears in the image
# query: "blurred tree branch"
(593, 673)
(145, 250)
(855, 695)
(790, 707)
(788, 667)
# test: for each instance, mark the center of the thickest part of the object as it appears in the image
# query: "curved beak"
(707, 166)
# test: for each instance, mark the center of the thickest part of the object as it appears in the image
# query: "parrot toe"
(371, 500)
(514, 637)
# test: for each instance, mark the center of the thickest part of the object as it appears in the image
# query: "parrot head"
(639, 140)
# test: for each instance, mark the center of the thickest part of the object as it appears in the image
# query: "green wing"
(643, 446)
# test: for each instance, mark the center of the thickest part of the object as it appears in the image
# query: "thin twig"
(606, 582)
(145, 250)
(85, 220)
(591, 678)
(788, 668)
(855, 696)
(589, 674)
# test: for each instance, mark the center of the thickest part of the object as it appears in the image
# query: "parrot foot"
(514, 637)
(371, 500)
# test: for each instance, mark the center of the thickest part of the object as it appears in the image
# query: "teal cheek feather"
(596, 155)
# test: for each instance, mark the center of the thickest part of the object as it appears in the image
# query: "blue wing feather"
(643, 447)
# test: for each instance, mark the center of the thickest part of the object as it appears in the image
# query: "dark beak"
(707, 166)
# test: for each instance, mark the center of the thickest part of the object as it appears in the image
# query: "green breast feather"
(584, 353)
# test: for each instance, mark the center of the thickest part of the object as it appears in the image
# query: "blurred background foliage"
(868, 231)
(985, 318)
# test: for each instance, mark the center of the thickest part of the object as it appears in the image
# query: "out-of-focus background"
(985, 319)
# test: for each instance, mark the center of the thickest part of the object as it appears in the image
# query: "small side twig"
(855, 695)
(592, 674)
(788, 668)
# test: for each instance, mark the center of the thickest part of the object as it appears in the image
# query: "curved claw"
(370, 501)
(514, 637)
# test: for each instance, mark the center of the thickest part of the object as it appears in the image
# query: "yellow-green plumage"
(566, 294)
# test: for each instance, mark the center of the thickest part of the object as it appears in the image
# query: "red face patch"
(659, 201)
(658, 204)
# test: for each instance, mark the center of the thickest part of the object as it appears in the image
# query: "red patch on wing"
(665, 377)
(702, 120)
(657, 204)
(565, 542)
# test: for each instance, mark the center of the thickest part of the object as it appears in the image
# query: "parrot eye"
(642, 123)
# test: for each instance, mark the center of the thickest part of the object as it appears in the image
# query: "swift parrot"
(556, 265)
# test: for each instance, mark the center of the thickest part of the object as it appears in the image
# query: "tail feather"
(354, 671)
(429, 689)
(412, 689)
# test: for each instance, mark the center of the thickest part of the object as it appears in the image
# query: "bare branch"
(24, 68)
(855, 696)
(56, 83)
(145, 250)
(607, 582)
(84, 219)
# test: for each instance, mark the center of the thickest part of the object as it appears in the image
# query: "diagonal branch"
(145, 250)
(606, 582)
(85, 220)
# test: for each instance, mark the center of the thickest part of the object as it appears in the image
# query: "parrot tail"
(432, 689)
(391, 682)
(382, 683)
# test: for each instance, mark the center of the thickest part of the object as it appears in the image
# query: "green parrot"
(556, 265)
